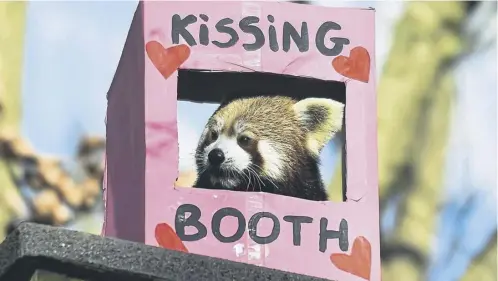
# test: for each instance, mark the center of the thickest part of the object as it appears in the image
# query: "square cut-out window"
(253, 131)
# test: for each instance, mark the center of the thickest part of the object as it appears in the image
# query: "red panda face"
(254, 140)
(228, 153)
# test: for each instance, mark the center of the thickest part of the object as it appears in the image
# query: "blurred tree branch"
(12, 25)
(426, 40)
(414, 98)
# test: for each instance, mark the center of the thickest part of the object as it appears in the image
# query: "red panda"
(269, 144)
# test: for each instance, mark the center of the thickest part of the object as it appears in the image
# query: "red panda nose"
(216, 156)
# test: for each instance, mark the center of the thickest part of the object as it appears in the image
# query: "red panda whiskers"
(280, 153)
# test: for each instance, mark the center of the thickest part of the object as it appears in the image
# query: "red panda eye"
(243, 140)
(214, 135)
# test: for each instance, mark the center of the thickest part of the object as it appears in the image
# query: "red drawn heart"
(167, 60)
(359, 262)
(356, 66)
(166, 237)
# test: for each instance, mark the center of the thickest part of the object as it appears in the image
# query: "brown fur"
(268, 118)
(273, 119)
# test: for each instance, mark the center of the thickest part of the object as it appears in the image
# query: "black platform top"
(91, 257)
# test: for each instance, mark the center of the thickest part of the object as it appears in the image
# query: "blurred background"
(437, 69)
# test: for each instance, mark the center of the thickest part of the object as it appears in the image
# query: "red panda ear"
(321, 118)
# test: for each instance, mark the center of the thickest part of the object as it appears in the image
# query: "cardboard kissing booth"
(225, 123)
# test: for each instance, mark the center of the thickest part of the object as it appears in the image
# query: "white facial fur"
(236, 159)
(273, 164)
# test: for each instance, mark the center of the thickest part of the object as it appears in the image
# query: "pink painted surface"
(162, 199)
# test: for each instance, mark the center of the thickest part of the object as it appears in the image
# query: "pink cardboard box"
(289, 81)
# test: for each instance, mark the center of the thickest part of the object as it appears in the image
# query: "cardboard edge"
(125, 146)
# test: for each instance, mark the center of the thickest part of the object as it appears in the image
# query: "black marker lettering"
(326, 234)
(301, 40)
(249, 25)
(343, 235)
(338, 41)
(296, 227)
(253, 228)
(203, 31)
(246, 26)
(179, 27)
(182, 221)
(193, 220)
(222, 28)
(216, 224)
(272, 33)
(204, 17)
